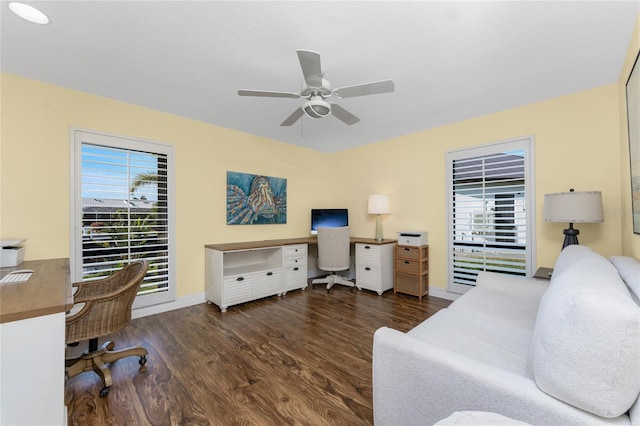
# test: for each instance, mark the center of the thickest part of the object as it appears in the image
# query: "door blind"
(489, 225)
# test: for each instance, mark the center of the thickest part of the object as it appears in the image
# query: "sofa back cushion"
(585, 348)
(629, 270)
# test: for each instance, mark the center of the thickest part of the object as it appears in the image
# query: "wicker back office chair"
(101, 308)
(334, 246)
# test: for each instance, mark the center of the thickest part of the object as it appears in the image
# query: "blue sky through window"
(109, 172)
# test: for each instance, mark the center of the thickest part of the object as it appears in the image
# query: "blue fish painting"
(255, 199)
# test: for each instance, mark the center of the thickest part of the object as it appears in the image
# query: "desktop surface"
(244, 245)
(48, 291)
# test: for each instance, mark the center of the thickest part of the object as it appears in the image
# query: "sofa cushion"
(502, 309)
(484, 340)
(585, 348)
(478, 418)
(569, 256)
(629, 270)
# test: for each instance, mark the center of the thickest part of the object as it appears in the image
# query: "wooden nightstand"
(543, 273)
(411, 270)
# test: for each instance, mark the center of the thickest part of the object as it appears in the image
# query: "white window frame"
(525, 143)
(77, 138)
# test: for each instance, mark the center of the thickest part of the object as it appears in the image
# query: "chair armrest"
(417, 383)
(97, 287)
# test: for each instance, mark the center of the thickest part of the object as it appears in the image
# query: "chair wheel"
(143, 360)
(105, 391)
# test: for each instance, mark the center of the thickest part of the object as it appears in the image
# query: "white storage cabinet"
(234, 277)
(295, 267)
(374, 267)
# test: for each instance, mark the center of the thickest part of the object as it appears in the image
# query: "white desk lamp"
(378, 205)
(573, 207)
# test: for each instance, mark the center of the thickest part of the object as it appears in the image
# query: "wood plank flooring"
(300, 359)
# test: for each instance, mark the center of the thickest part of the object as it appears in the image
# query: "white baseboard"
(443, 293)
(197, 298)
(181, 302)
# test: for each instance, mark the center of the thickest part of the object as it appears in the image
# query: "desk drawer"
(296, 261)
(295, 277)
(368, 277)
(268, 282)
(368, 254)
(238, 288)
(296, 250)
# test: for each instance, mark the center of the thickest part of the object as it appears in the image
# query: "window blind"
(125, 213)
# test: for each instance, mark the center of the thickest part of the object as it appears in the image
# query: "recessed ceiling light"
(29, 13)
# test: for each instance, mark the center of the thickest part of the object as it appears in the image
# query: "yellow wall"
(630, 241)
(35, 167)
(576, 145)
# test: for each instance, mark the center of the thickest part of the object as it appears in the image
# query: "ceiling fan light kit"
(316, 89)
(317, 108)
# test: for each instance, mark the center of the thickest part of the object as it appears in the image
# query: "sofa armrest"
(417, 383)
(512, 285)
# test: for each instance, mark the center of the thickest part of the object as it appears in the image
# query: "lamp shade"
(379, 204)
(573, 207)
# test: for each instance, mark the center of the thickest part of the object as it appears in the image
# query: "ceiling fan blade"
(343, 115)
(293, 117)
(268, 94)
(384, 86)
(311, 68)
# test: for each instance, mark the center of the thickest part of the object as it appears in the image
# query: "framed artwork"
(255, 199)
(633, 120)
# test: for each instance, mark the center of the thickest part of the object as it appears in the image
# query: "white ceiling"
(450, 60)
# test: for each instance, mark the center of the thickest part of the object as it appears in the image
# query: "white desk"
(32, 345)
(242, 271)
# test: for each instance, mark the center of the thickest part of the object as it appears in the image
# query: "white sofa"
(559, 352)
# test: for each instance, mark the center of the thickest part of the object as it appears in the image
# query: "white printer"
(412, 238)
(11, 253)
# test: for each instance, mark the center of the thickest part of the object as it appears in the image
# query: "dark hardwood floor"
(301, 359)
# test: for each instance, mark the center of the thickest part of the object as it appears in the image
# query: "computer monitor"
(328, 218)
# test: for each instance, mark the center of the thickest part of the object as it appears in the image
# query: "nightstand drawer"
(415, 285)
(411, 266)
(408, 252)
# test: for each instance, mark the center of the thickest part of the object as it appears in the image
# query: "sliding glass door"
(490, 212)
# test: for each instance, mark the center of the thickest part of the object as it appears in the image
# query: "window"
(490, 212)
(122, 210)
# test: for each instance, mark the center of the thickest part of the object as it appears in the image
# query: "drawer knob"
(269, 274)
(367, 269)
(367, 247)
(240, 279)
(406, 262)
(296, 268)
(406, 249)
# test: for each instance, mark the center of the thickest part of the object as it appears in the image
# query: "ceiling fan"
(316, 89)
